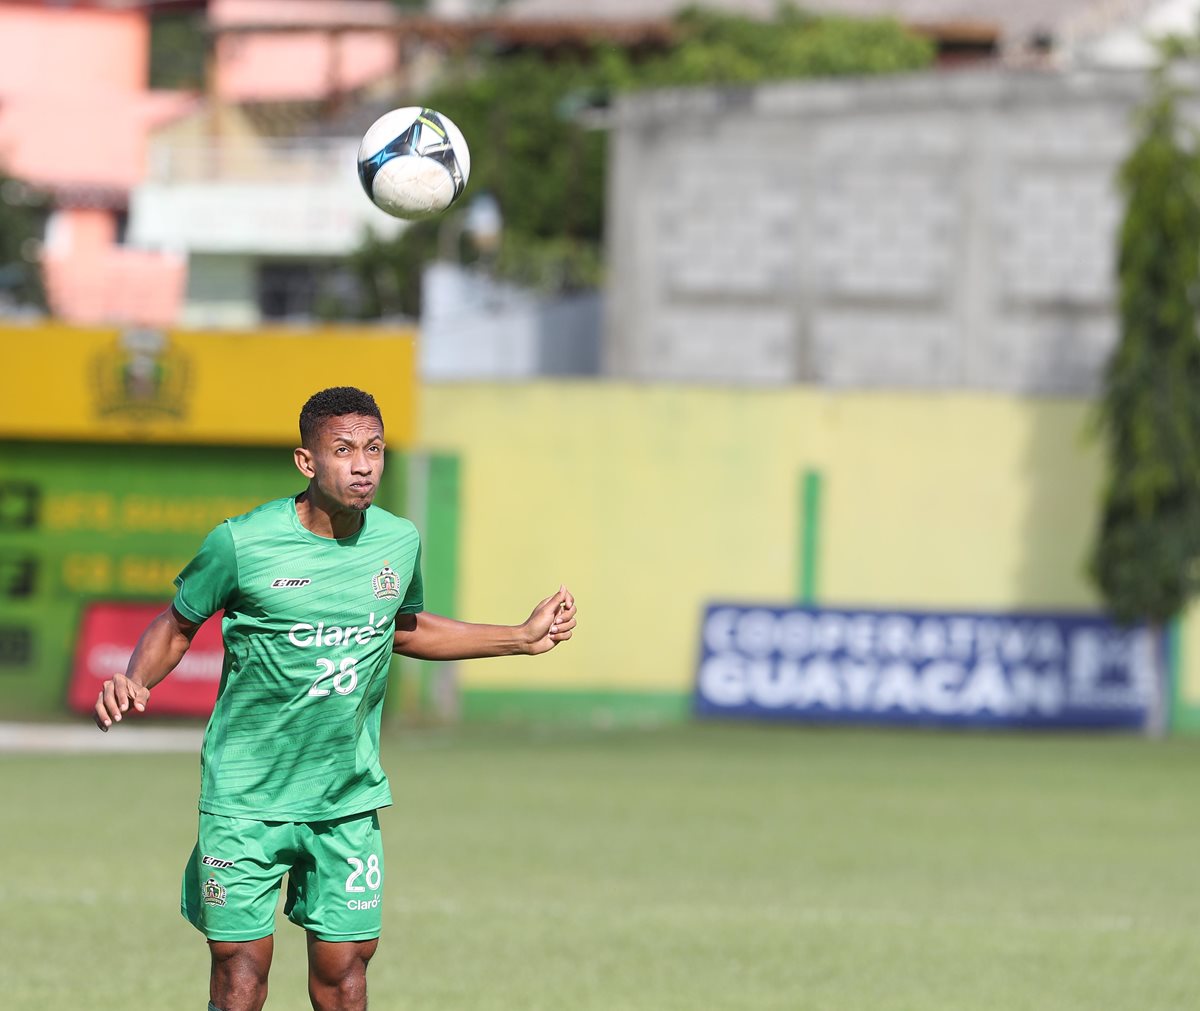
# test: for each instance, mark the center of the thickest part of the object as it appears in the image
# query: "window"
(307, 290)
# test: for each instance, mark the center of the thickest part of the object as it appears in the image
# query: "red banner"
(108, 632)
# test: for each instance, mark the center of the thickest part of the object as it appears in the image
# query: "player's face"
(347, 461)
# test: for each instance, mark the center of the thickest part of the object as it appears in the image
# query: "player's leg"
(239, 974)
(335, 892)
(337, 973)
(230, 887)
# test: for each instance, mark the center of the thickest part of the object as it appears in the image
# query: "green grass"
(695, 867)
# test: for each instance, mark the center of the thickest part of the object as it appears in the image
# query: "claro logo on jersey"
(304, 635)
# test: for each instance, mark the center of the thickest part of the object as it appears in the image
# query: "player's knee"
(346, 993)
(340, 965)
(339, 983)
(240, 966)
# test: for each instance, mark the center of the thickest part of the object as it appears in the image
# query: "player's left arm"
(427, 636)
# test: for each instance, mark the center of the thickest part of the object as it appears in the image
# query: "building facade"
(936, 231)
(75, 115)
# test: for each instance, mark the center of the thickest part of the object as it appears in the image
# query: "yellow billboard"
(216, 388)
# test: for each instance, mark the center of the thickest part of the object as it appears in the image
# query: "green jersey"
(308, 627)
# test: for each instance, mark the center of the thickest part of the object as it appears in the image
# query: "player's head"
(335, 402)
(341, 447)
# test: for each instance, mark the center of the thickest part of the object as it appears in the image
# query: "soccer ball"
(413, 162)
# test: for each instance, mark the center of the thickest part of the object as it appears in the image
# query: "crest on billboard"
(142, 376)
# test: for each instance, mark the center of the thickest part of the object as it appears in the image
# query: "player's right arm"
(157, 653)
(206, 585)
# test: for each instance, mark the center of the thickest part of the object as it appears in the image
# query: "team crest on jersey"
(214, 893)
(386, 583)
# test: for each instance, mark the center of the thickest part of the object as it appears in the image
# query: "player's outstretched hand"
(551, 622)
(118, 695)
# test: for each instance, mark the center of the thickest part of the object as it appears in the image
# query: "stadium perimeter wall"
(650, 501)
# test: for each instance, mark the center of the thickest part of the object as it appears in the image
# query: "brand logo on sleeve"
(386, 583)
(290, 584)
(216, 862)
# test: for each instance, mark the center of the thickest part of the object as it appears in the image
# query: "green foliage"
(22, 221)
(544, 168)
(717, 48)
(177, 51)
(1145, 556)
(389, 272)
(532, 149)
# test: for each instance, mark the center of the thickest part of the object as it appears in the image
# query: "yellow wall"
(220, 388)
(650, 501)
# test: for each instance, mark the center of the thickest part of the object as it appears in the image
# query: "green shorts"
(334, 871)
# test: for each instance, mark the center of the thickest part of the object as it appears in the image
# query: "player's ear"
(304, 461)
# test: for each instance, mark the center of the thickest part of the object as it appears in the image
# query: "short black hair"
(334, 403)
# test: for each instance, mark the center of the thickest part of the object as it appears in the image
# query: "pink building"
(297, 50)
(75, 113)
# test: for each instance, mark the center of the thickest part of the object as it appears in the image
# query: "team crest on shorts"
(386, 583)
(214, 893)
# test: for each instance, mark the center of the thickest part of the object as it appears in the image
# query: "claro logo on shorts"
(304, 635)
(357, 904)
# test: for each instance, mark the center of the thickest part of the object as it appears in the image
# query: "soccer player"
(318, 592)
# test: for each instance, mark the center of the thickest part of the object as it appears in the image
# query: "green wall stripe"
(431, 499)
(440, 558)
(809, 536)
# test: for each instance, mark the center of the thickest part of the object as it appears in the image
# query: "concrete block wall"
(944, 230)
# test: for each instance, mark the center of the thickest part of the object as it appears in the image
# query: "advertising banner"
(105, 523)
(108, 632)
(943, 668)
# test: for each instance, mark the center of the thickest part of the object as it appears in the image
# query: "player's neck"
(327, 519)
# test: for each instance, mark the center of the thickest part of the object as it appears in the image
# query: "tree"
(718, 48)
(178, 49)
(1145, 557)
(532, 148)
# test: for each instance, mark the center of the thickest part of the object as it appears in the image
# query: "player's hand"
(551, 622)
(118, 696)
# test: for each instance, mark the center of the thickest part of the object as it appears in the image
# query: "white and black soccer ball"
(413, 162)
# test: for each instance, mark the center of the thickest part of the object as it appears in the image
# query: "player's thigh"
(231, 881)
(336, 889)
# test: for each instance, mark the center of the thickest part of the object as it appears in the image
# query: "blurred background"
(781, 336)
(841, 360)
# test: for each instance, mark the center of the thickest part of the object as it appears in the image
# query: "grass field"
(694, 867)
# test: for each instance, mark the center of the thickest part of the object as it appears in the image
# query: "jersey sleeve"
(209, 581)
(414, 598)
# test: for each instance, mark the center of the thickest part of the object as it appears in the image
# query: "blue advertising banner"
(945, 668)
